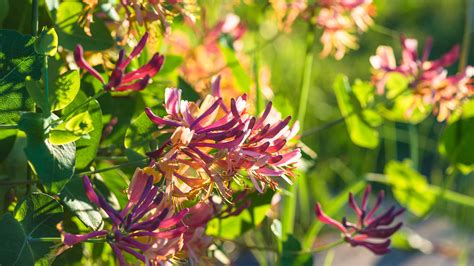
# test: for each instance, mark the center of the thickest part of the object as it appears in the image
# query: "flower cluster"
(150, 228)
(287, 12)
(147, 227)
(339, 19)
(212, 143)
(119, 80)
(429, 80)
(145, 13)
(368, 226)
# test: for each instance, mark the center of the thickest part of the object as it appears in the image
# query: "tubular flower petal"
(367, 228)
(210, 145)
(148, 228)
(119, 80)
(429, 81)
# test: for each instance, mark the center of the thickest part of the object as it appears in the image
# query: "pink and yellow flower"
(212, 143)
(340, 19)
(429, 80)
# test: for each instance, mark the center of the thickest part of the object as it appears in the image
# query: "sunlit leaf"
(361, 132)
(35, 216)
(86, 149)
(410, 187)
(402, 107)
(243, 80)
(458, 138)
(74, 197)
(64, 90)
(71, 34)
(54, 164)
(17, 60)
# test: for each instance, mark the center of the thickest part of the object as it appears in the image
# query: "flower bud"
(47, 42)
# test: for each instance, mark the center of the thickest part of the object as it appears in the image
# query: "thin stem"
(414, 145)
(307, 71)
(325, 247)
(135, 163)
(468, 31)
(34, 18)
(16, 182)
(385, 31)
(58, 239)
(325, 126)
(8, 127)
(343, 118)
(111, 158)
(256, 70)
(46, 84)
(28, 179)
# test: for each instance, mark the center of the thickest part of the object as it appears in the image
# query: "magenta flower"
(119, 80)
(146, 228)
(218, 142)
(369, 227)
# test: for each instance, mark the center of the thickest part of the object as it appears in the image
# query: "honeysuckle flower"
(145, 13)
(212, 144)
(286, 12)
(146, 227)
(429, 80)
(339, 19)
(370, 231)
(119, 80)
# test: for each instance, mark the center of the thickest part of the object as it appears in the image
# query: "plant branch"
(135, 163)
(34, 18)
(8, 127)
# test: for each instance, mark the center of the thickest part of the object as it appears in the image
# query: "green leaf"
(14, 241)
(140, 137)
(235, 226)
(36, 93)
(458, 138)
(64, 90)
(398, 110)
(7, 140)
(71, 130)
(188, 92)
(172, 62)
(410, 187)
(35, 216)
(364, 92)
(86, 149)
(241, 77)
(47, 42)
(71, 34)
(54, 164)
(290, 255)
(74, 197)
(361, 132)
(17, 61)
